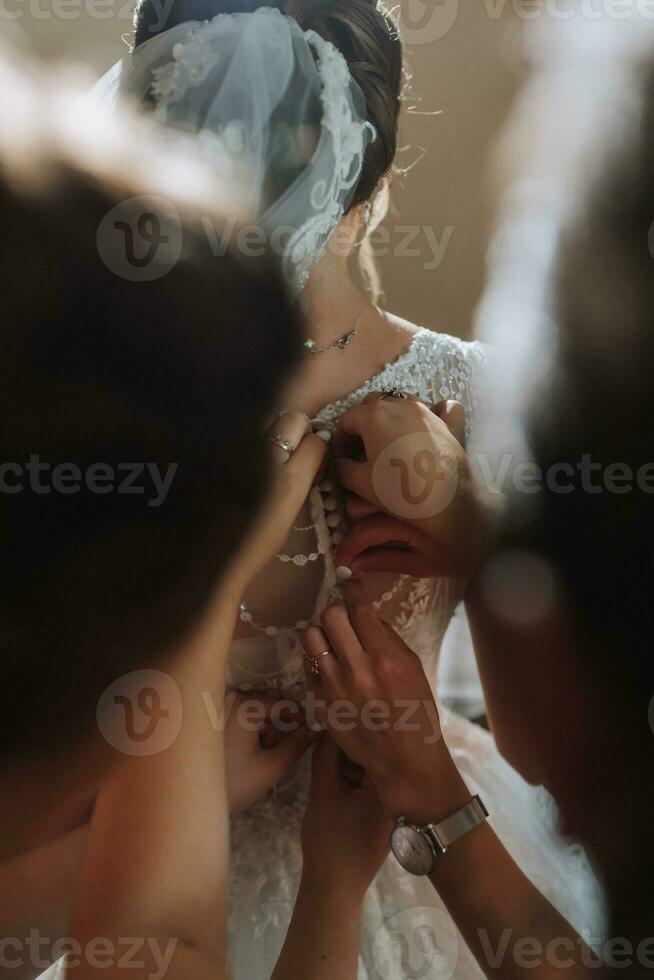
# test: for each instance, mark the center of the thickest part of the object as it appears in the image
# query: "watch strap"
(453, 828)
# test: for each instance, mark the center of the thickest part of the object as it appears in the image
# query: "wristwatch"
(418, 849)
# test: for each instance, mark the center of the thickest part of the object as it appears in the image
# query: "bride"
(304, 98)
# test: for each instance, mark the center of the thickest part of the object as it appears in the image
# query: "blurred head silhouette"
(126, 343)
(582, 659)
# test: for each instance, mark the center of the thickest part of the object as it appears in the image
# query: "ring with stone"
(312, 662)
(392, 393)
(282, 443)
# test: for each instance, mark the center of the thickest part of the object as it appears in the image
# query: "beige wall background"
(465, 67)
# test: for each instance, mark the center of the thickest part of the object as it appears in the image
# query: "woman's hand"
(293, 478)
(379, 543)
(345, 837)
(260, 752)
(414, 502)
(391, 727)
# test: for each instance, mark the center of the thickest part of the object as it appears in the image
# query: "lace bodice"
(266, 849)
(434, 367)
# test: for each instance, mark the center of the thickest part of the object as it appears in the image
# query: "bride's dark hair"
(362, 30)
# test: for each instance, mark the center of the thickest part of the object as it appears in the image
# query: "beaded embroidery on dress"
(406, 929)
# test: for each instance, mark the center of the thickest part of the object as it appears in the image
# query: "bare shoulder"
(436, 344)
(403, 330)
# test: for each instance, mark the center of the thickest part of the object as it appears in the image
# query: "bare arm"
(35, 894)
(500, 683)
(151, 808)
(511, 929)
(486, 892)
(157, 862)
(344, 842)
(528, 671)
(158, 857)
(323, 938)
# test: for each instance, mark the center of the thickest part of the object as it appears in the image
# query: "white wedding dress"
(406, 932)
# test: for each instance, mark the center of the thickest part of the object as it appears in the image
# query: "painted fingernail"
(343, 573)
(324, 435)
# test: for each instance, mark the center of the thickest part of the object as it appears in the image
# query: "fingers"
(315, 644)
(347, 440)
(343, 638)
(378, 396)
(355, 477)
(310, 451)
(297, 478)
(363, 619)
(357, 508)
(267, 768)
(396, 561)
(289, 428)
(453, 414)
(281, 717)
(326, 758)
(306, 462)
(314, 683)
(272, 765)
(371, 532)
(378, 531)
(325, 770)
(289, 751)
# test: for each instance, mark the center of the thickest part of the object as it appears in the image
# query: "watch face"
(413, 850)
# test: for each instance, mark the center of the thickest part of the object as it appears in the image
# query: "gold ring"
(312, 662)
